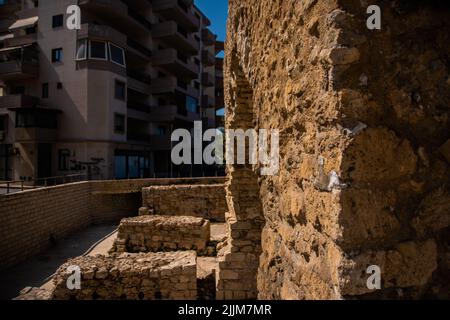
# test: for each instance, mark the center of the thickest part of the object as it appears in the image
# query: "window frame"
(54, 50)
(106, 50)
(86, 50)
(123, 116)
(116, 82)
(123, 55)
(62, 21)
(63, 154)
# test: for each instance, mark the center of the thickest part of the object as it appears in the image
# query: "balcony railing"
(208, 59)
(19, 63)
(142, 77)
(18, 101)
(175, 62)
(207, 79)
(175, 37)
(138, 136)
(139, 47)
(102, 32)
(138, 106)
(208, 37)
(178, 10)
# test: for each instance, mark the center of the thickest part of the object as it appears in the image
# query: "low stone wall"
(162, 233)
(149, 276)
(206, 200)
(32, 220)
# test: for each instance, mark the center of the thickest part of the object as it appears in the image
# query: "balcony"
(170, 85)
(208, 101)
(174, 37)
(178, 10)
(18, 101)
(117, 12)
(23, 135)
(207, 79)
(101, 32)
(18, 63)
(139, 81)
(160, 142)
(171, 61)
(208, 38)
(35, 124)
(21, 40)
(208, 59)
(170, 113)
(220, 46)
(138, 49)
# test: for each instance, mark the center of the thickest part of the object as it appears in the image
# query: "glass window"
(81, 50)
(63, 159)
(119, 90)
(120, 167)
(191, 104)
(45, 90)
(97, 50)
(57, 55)
(58, 21)
(161, 130)
(116, 54)
(119, 123)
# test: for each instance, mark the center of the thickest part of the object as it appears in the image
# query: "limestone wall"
(149, 276)
(368, 107)
(153, 233)
(201, 200)
(32, 220)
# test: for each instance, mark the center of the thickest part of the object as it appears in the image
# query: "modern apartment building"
(103, 99)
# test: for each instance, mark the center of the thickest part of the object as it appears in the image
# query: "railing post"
(7, 187)
(21, 182)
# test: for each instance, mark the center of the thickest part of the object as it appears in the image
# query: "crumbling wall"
(364, 148)
(203, 200)
(144, 276)
(162, 233)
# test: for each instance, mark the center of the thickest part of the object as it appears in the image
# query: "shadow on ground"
(34, 272)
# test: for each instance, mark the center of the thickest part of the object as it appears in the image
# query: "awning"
(24, 23)
(6, 36)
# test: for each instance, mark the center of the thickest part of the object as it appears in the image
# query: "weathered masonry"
(369, 107)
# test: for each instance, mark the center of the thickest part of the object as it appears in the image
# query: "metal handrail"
(35, 183)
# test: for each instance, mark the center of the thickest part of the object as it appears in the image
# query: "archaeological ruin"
(363, 184)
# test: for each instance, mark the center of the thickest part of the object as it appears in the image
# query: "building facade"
(103, 99)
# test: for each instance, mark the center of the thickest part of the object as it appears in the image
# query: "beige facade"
(101, 100)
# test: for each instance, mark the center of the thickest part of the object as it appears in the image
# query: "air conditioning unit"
(2, 135)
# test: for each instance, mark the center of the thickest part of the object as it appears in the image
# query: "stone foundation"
(206, 201)
(162, 233)
(149, 276)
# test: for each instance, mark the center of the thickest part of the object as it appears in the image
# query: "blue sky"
(216, 11)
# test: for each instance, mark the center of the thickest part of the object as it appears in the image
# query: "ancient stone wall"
(144, 276)
(154, 233)
(364, 149)
(32, 220)
(206, 201)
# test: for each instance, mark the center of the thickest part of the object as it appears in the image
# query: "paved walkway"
(34, 272)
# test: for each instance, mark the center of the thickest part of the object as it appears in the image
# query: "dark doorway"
(5, 150)
(44, 160)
